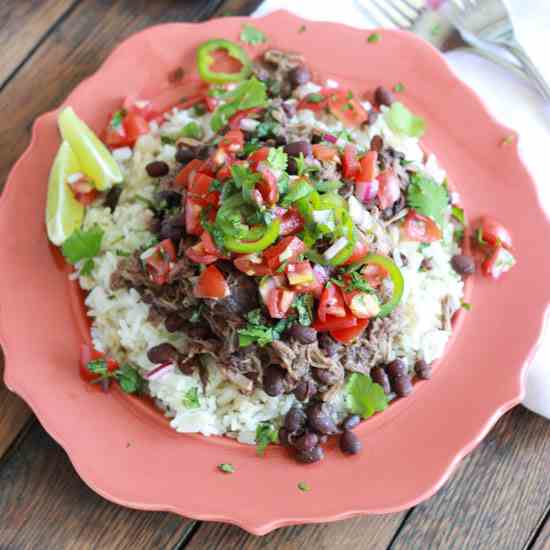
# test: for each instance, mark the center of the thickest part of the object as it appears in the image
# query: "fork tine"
(413, 8)
(389, 15)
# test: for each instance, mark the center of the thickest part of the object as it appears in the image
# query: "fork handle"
(530, 68)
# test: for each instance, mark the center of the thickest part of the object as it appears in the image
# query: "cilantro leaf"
(82, 245)
(265, 434)
(373, 38)
(283, 183)
(116, 120)
(98, 366)
(191, 399)
(354, 281)
(87, 267)
(315, 97)
(265, 128)
(247, 95)
(191, 130)
(458, 214)
(252, 35)
(303, 303)
(304, 487)
(403, 122)
(327, 186)
(363, 396)
(245, 179)
(277, 159)
(226, 468)
(298, 190)
(258, 332)
(427, 197)
(302, 167)
(129, 379)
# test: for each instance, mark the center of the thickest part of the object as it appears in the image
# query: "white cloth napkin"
(509, 98)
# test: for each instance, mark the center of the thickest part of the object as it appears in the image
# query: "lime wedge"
(64, 213)
(95, 159)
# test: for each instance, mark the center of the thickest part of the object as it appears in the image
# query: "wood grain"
(23, 23)
(541, 540)
(44, 504)
(374, 533)
(496, 499)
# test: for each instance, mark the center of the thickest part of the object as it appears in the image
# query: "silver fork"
(486, 23)
(429, 24)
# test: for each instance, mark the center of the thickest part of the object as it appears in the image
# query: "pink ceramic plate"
(129, 455)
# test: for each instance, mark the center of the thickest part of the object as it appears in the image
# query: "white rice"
(120, 324)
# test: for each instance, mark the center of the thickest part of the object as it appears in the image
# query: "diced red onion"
(249, 124)
(160, 371)
(366, 191)
(330, 138)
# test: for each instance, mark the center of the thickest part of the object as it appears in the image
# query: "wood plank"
(44, 504)
(542, 537)
(498, 496)
(22, 25)
(373, 532)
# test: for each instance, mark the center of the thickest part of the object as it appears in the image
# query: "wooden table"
(499, 497)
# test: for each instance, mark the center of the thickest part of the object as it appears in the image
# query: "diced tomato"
(348, 335)
(211, 284)
(300, 273)
(388, 190)
(291, 220)
(324, 152)
(331, 303)
(279, 301)
(134, 125)
(235, 120)
(115, 136)
(252, 265)
(421, 228)
(335, 323)
(368, 167)
(83, 191)
(315, 106)
(209, 244)
(141, 107)
(359, 252)
(362, 304)
(211, 103)
(499, 262)
(286, 250)
(258, 156)
(87, 354)
(188, 172)
(159, 262)
(233, 141)
(346, 109)
(193, 209)
(374, 274)
(320, 278)
(200, 185)
(198, 254)
(268, 187)
(267, 284)
(494, 233)
(350, 163)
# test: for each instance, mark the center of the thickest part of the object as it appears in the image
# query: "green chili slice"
(205, 61)
(248, 247)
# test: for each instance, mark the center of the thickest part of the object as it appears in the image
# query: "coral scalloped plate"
(129, 455)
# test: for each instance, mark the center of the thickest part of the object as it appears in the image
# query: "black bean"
(111, 199)
(174, 322)
(383, 96)
(299, 75)
(316, 138)
(396, 368)
(200, 332)
(423, 370)
(304, 335)
(187, 367)
(170, 198)
(163, 353)
(280, 141)
(309, 457)
(402, 385)
(350, 443)
(184, 155)
(273, 380)
(319, 421)
(379, 376)
(157, 169)
(306, 442)
(295, 420)
(296, 147)
(172, 228)
(376, 143)
(372, 117)
(352, 421)
(284, 438)
(292, 167)
(323, 376)
(304, 390)
(463, 264)
(328, 345)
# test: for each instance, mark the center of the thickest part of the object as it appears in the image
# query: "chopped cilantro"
(427, 197)
(363, 396)
(251, 146)
(167, 140)
(479, 236)
(98, 366)
(215, 185)
(302, 29)
(265, 434)
(458, 214)
(191, 130)
(303, 303)
(199, 109)
(304, 487)
(277, 158)
(302, 167)
(129, 379)
(252, 35)
(328, 186)
(349, 95)
(122, 253)
(116, 120)
(283, 183)
(265, 128)
(191, 399)
(82, 245)
(458, 235)
(298, 190)
(347, 107)
(245, 180)
(226, 468)
(87, 268)
(399, 87)
(466, 306)
(314, 98)
(256, 332)
(403, 122)
(354, 281)
(373, 38)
